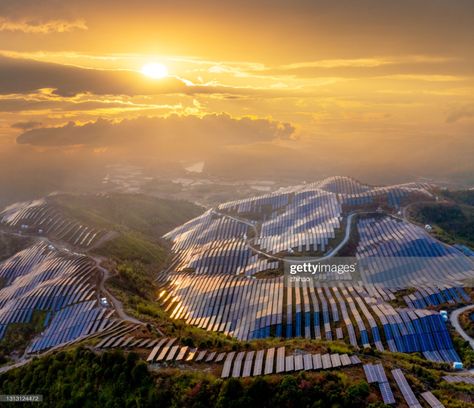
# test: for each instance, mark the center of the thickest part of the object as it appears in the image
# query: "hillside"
(452, 217)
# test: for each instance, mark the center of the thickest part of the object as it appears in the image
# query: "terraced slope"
(59, 283)
(39, 217)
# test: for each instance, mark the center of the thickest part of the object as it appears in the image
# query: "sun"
(155, 70)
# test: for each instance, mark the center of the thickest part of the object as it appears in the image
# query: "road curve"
(279, 258)
(454, 318)
(105, 274)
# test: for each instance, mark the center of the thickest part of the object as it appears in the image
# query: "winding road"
(117, 304)
(454, 318)
(250, 242)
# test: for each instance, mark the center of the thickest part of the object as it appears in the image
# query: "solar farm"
(40, 218)
(61, 284)
(218, 255)
(226, 275)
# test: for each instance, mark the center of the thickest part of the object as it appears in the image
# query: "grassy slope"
(81, 378)
(453, 219)
(19, 335)
(145, 214)
(11, 244)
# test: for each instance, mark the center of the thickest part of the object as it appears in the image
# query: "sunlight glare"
(154, 70)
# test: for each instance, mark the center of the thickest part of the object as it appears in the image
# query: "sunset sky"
(377, 81)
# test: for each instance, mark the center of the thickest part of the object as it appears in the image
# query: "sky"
(381, 90)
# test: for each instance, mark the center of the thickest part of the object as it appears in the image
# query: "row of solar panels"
(306, 223)
(393, 196)
(274, 201)
(375, 373)
(351, 191)
(214, 244)
(241, 307)
(433, 296)
(165, 350)
(247, 363)
(72, 322)
(467, 379)
(126, 342)
(248, 308)
(274, 361)
(41, 278)
(399, 254)
(40, 217)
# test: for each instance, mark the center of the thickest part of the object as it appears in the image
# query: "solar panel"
(227, 365)
(289, 363)
(405, 389)
(387, 394)
(182, 353)
(326, 358)
(236, 370)
(432, 400)
(257, 368)
(280, 364)
(308, 362)
(369, 373)
(298, 362)
(172, 353)
(345, 360)
(248, 364)
(335, 360)
(269, 361)
(201, 355)
(317, 361)
(192, 354)
(210, 357)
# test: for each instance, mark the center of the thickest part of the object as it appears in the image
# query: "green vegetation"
(464, 350)
(81, 378)
(453, 220)
(18, 335)
(460, 196)
(10, 244)
(135, 247)
(146, 214)
(466, 320)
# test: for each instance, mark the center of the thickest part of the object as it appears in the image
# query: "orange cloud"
(40, 27)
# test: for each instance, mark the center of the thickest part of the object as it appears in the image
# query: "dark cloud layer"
(24, 76)
(26, 125)
(177, 136)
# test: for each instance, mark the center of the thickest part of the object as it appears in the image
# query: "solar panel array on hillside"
(376, 374)
(249, 309)
(225, 242)
(405, 388)
(213, 244)
(41, 278)
(396, 253)
(42, 218)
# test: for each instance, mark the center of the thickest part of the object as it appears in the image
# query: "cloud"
(464, 112)
(22, 76)
(174, 137)
(41, 27)
(26, 125)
